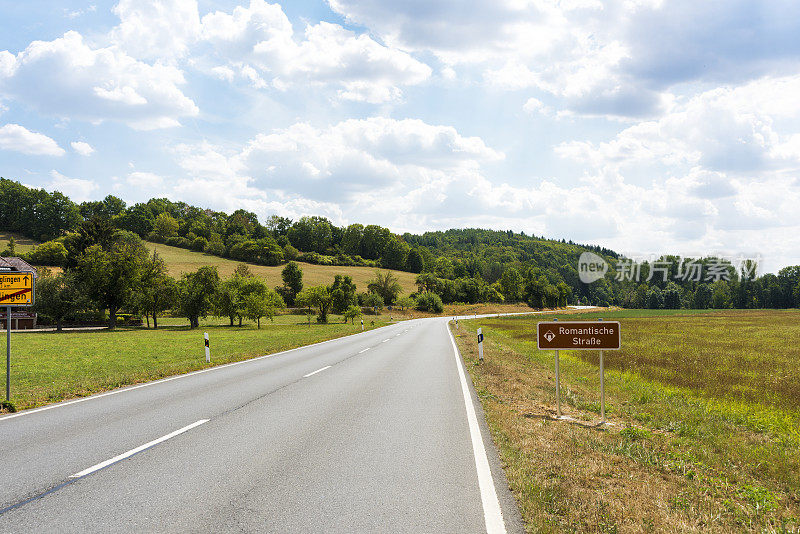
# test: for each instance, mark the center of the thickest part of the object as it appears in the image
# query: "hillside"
(180, 260)
(23, 244)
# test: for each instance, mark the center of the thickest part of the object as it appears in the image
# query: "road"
(375, 432)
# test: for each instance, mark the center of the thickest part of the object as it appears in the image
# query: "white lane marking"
(384, 341)
(317, 371)
(492, 513)
(363, 351)
(131, 452)
(201, 371)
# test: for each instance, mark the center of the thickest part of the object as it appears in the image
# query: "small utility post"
(480, 344)
(456, 320)
(362, 325)
(208, 348)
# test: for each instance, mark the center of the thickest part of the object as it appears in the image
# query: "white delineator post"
(208, 348)
(480, 344)
(362, 325)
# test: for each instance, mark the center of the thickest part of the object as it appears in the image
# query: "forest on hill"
(458, 265)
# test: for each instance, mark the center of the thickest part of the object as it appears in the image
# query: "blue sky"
(647, 126)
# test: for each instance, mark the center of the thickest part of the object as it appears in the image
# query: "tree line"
(461, 265)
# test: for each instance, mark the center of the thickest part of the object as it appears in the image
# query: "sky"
(645, 126)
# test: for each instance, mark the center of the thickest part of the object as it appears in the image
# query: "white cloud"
(534, 106)
(68, 78)
(151, 29)
(611, 58)
(20, 139)
(83, 148)
(77, 189)
(258, 43)
(727, 129)
(145, 180)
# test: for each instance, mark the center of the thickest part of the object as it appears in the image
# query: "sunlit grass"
(705, 409)
(49, 367)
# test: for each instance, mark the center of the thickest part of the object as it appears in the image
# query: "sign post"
(208, 348)
(18, 289)
(8, 354)
(580, 335)
(480, 344)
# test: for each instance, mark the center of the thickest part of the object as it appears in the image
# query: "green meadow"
(704, 413)
(49, 367)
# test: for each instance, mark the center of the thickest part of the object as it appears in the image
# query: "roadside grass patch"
(705, 413)
(49, 367)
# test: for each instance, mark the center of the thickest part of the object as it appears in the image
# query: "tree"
(702, 297)
(386, 285)
(655, 299)
(111, 276)
(262, 302)
(672, 297)
(228, 298)
(430, 302)
(351, 313)
(720, 295)
(511, 285)
(157, 291)
(343, 292)
(164, 226)
(318, 297)
(292, 276)
(406, 302)
(243, 270)
(196, 291)
(414, 261)
(371, 300)
(57, 297)
(51, 253)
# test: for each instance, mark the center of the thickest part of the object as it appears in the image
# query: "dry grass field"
(180, 261)
(705, 423)
(22, 244)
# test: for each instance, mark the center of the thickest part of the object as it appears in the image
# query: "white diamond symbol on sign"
(549, 335)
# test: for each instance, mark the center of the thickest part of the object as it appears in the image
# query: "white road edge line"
(176, 377)
(363, 351)
(492, 513)
(317, 371)
(131, 452)
(384, 341)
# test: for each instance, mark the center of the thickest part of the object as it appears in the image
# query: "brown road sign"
(16, 289)
(578, 335)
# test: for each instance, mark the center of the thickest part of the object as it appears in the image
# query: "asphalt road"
(376, 432)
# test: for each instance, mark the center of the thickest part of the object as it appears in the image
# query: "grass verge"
(49, 367)
(705, 413)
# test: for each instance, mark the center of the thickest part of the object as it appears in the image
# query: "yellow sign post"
(16, 289)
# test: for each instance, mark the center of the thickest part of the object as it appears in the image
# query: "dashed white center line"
(363, 351)
(131, 452)
(384, 341)
(317, 371)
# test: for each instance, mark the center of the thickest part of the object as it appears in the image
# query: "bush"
(430, 302)
(50, 253)
(176, 241)
(215, 247)
(199, 244)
